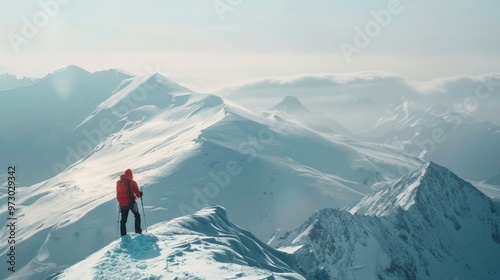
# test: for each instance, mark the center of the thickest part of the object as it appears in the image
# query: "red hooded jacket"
(122, 190)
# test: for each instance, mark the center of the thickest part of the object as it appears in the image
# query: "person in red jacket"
(127, 191)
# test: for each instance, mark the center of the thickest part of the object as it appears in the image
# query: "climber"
(126, 193)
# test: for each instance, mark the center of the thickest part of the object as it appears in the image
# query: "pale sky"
(192, 41)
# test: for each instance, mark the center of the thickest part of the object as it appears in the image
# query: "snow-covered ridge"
(154, 85)
(179, 144)
(433, 185)
(205, 245)
(417, 240)
(410, 243)
(431, 224)
(134, 93)
(40, 118)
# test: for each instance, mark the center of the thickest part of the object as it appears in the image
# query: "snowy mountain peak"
(290, 104)
(166, 82)
(154, 90)
(429, 225)
(430, 186)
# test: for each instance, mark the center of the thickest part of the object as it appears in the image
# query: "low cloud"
(373, 84)
(376, 85)
(335, 94)
(459, 86)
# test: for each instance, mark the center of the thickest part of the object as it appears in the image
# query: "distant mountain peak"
(430, 186)
(291, 100)
(160, 79)
(64, 77)
(434, 167)
(71, 69)
(290, 108)
(290, 104)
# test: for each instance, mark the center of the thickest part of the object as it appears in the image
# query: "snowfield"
(205, 245)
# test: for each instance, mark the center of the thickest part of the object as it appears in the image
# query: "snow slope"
(430, 224)
(205, 245)
(200, 149)
(189, 150)
(38, 119)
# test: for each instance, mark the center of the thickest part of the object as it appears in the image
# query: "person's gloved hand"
(141, 193)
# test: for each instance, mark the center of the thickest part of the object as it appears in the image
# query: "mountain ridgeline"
(402, 218)
(430, 224)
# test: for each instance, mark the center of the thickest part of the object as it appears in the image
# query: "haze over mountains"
(452, 121)
(456, 140)
(73, 132)
(8, 81)
(40, 119)
(359, 99)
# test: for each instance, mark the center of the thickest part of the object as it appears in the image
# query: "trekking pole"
(117, 222)
(144, 215)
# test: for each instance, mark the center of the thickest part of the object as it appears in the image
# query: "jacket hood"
(127, 175)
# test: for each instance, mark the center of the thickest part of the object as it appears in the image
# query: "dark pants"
(124, 211)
